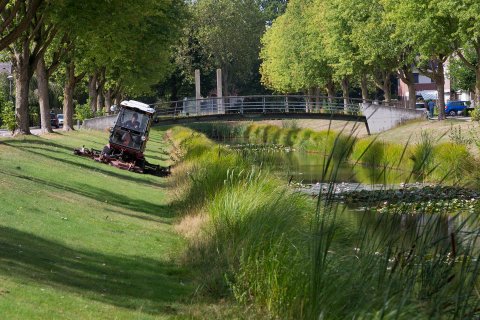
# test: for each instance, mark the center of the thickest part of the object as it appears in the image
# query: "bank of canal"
(291, 255)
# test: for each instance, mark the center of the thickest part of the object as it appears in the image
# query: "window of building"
(415, 77)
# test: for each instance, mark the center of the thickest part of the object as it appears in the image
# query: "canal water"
(313, 172)
(312, 168)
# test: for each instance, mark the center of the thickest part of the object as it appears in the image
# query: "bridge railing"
(258, 104)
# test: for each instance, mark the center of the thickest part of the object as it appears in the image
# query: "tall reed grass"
(220, 130)
(290, 258)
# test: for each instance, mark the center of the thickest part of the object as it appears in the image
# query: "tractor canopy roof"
(138, 105)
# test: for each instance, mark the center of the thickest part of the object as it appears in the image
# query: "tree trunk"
(364, 86)
(118, 99)
(437, 73)
(477, 87)
(108, 100)
(100, 102)
(43, 100)
(22, 81)
(412, 95)
(345, 91)
(382, 81)
(406, 75)
(309, 103)
(92, 92)
(440, 82)
(330, 90)
(68, 97)
(317, 99)
(386, 87)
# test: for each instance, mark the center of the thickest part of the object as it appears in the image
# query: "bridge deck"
(259, 116)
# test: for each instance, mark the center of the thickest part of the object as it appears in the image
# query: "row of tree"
(318, 44)
(222, 34)
(122, 47)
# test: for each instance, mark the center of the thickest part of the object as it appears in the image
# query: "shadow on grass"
(103, 195)
(37, 141)
(87, 164)
(165, 219)
(130, 282)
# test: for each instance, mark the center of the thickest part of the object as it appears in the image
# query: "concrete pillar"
(198, 95)
(220, 106)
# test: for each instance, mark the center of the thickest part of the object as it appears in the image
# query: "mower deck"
(118, 162)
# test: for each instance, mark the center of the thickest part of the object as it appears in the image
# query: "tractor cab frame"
(130, 132)
(128, 140)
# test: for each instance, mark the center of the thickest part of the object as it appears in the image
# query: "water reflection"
(311, 168)
(401, 231)
(397, 230)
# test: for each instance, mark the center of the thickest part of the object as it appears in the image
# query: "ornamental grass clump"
(380, 162)
(207, 176)
(271, 134)
(453, 163)
(249, 223)
(204, 168)
(368, 152)
(422, 156)
(219, 130)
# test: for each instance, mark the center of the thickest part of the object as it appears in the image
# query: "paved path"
(34, 130)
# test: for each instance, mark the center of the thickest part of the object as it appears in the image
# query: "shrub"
(475, 114)
(9, 120)
(219, 130)
(83, 112)
(339, 146)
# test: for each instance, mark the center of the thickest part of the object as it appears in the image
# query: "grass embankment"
(253, 239)
(83, 240)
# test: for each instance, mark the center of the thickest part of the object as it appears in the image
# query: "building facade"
(425, 88)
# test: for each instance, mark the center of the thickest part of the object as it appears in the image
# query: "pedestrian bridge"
(377, 117)
(275, 107)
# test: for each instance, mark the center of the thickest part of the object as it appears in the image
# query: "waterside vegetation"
(429, 159)
(287, 255)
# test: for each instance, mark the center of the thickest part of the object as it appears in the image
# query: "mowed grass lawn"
(84, 240)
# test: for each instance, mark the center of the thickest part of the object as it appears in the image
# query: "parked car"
(452, 108)
(420, 106)
(60, 119)
(54, 120)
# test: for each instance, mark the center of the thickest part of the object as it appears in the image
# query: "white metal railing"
(258, 104)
